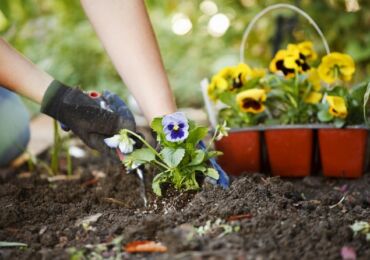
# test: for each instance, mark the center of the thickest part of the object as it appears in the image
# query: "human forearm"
(126, 33)
(18, 74)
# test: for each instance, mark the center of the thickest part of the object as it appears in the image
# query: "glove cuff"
(53, 98)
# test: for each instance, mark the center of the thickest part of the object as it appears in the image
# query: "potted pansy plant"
(241, 96)
(300, 95)
(342, 146)
(182, 159)
(295, 90)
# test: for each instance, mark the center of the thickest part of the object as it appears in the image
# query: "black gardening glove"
(87, 116)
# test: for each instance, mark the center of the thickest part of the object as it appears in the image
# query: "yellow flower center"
(176, 127)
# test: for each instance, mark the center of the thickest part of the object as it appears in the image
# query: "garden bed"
(280, 218)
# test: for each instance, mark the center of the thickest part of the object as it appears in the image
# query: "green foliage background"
(57, 36)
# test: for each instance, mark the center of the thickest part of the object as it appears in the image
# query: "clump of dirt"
(284, 218)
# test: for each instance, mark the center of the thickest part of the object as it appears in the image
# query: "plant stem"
(150, 148)
(56, 148)
(212, 140)
(69, 162)
(143, 140)
(162, 164)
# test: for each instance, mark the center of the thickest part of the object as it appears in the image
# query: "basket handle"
(279, 6)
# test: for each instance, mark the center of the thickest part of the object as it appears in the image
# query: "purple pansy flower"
(175, 126)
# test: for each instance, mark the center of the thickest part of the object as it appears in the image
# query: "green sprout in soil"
(180, 159)
(361, 227)
(60, 145)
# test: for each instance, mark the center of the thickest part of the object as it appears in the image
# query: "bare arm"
(126, 33)
(18, 74)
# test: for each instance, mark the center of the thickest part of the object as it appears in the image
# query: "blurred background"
(196, 38)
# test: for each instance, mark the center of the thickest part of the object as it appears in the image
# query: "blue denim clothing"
(14, 126)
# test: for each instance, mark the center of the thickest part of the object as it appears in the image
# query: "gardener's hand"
(87, 117)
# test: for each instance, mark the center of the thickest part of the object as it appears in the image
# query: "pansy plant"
(341, 104)
(299, 89)
(238, 88)
(182, 159)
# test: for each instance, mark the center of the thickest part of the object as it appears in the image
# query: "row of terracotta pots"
(296, 151)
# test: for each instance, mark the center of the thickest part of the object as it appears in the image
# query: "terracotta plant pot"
(290, 151)
(343, 151)
(242, 152)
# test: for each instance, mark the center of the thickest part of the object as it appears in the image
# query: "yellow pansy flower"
(313, 97)
(337, 106)
(225, 72)
(218, 85)
(336, 66)
(240, 75)
(289, 62)
(299, 59)
(251, 100)
(280, 62)
(306, 49)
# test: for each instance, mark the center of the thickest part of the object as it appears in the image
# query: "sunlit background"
(196, 38)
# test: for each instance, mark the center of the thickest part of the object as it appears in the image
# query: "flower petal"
(113, 141)
(175, 126)
(126, 147)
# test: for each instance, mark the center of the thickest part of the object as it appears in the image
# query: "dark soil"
(284, 219)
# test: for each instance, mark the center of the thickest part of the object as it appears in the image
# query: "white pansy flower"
(121, 141)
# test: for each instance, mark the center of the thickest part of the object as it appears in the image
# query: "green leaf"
(143, 154)
(339, 122)
(172, 157)
(213, 154)
(198, 158)
(197, 134)
(228, 98)
(156, 125)
(292, 100)
(338, 91)
(199, 168)
(11, 244)
(212, 173)
(366, 99)
(251, 83)
(357, 92)
(324, 116)
(157, 181)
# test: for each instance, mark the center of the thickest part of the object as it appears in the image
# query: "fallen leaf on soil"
(89, 219)
(344, 188)
(90, 182)
(239, 217)
(64, 178)
(97, 175)
(348, 253)
(145, 247)
(115, 201)
(11, 244)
